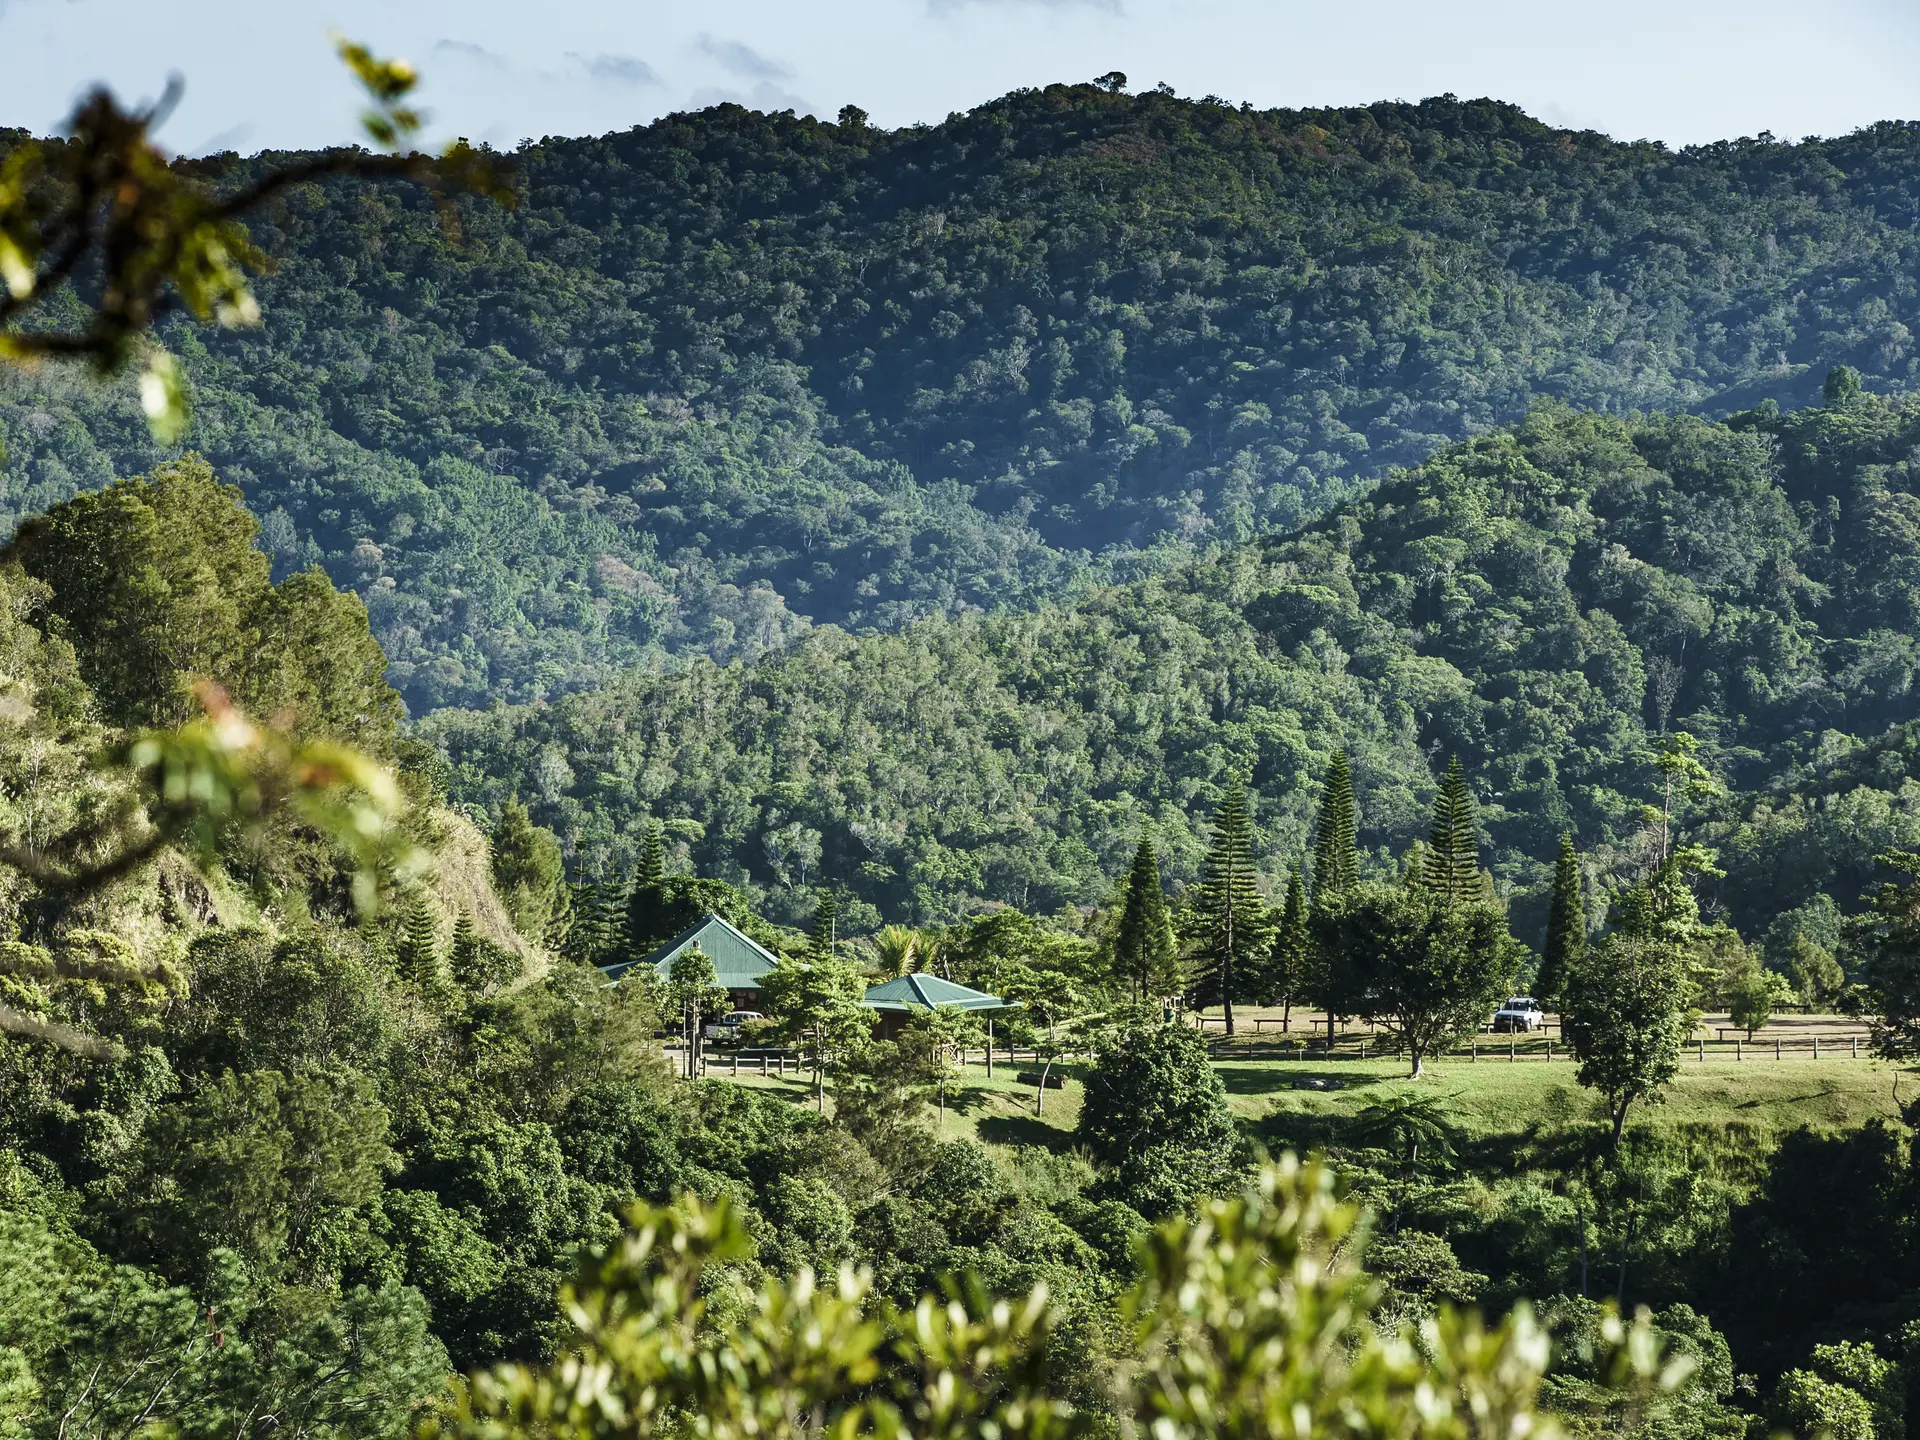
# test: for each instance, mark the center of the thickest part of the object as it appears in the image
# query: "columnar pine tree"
(1143, 946)
(826, 928)
(585, 940)
(419, 949)
(1292, 947)
(1566, 926)
(464, 958)
(1231, 916)
(1336, 837)
(611, 895)
(653, 857)
(1336, 870)
(1452, 860)
(647, 913)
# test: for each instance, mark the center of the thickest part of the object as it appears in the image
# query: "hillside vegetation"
(1543, 602)
(732, 373)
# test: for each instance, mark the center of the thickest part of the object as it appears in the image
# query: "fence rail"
(1360, 1045)
(772, 1061)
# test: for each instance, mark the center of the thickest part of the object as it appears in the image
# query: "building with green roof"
(896, 999)
(739, 961)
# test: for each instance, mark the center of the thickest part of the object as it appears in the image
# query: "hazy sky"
(261, 73)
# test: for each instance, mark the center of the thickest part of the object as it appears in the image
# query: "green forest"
(730, 374)
(1546, 603)
(1259, 600)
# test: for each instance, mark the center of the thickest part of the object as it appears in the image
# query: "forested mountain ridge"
(731, 372)
(1543, 602)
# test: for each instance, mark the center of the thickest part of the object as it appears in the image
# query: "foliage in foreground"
(1251, 1318)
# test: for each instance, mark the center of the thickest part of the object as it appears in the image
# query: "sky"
(262, 74)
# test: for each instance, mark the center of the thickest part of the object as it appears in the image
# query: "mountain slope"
(1541, 601)
(731, 373)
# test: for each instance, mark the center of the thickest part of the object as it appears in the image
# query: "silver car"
(727, 1027)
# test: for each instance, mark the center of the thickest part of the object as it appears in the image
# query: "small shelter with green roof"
(897, 999)
(740, 962)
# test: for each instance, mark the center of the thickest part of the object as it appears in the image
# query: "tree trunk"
(1583, 1257)
(1040, 1091)
(819, 1069)
(989, 1049)
(1619, 1123)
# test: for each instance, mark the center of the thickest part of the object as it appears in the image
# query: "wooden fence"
(1515, 1048)
(771, 1062)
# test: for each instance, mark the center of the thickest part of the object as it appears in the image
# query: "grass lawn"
(1490, 1097)
(1494, 1097)
(997, 1111)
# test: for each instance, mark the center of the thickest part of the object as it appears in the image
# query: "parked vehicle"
(727, 1027)
(1521, 1014)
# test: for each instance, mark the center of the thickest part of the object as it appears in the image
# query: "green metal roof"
(739, 962)
(929, 992)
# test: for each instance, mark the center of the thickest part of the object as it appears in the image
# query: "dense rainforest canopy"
(1544, 602)
(731, 373)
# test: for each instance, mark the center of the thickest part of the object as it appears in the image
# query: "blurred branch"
(107, 198)
(225, 770)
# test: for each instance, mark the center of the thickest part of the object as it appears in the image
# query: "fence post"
(1476, 1047)
(1703, 1052)
(1513, 1051)
(1736, 1047)
(764, 1058)
(1856, 1047)
(1776, 1047)
(1549, 1047)
(1816, 1047)
(736, 1063)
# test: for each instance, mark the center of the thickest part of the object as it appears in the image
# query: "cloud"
(765, 96)
(743, 60)
(470, 52)
(616, 69)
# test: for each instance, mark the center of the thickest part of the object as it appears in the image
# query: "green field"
(1293, 1100)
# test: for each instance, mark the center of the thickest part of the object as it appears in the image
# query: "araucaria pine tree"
(653, 858)
(826, 928)
(1292, 948)
(1336, 835)
(649, 917)
(1336, 870)
(418, 952)
(464, 958)
(1566, 927)
(1144, 957)
(1452, 859)
(1232, 919)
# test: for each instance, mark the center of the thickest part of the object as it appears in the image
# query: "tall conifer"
(464, 958)
(826, 927)
(1452, 859)
(1336, 870)
(1143, 946)
(1233, 930)
(1292, 947)
(649, 919)
(1336, 837)
(419, 949)
(1566, 926)
(653, 857)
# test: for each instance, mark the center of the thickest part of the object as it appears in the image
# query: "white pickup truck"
(1522, 1014)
